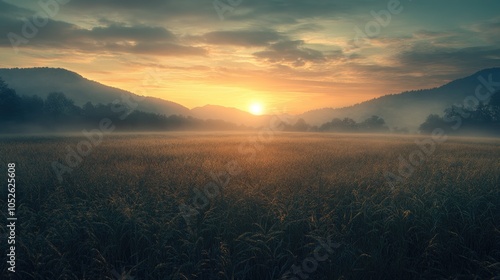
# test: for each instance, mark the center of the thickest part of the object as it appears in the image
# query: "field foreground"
(250, 206)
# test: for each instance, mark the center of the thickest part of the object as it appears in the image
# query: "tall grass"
(117, 214)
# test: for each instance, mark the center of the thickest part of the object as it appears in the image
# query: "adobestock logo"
(381, 19)
(310, 264)
(48, 10)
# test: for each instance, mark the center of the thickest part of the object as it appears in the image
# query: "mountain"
(42, 81)
(407, 109)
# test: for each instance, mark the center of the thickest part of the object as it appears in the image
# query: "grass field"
(295, 206)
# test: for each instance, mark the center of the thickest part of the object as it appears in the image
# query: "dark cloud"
(427, 40)
(245, 38)
(291, 52)
(463, 59)
(260, 13)
(288, 12)
(11, 11)
(60, 35)
(460, 50)
(489, 31)
(147, 11)
(142, 33)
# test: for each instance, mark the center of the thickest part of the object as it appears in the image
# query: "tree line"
(374, 124)
(59, 113)
(482, 118)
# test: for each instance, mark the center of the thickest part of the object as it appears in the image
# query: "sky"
(287, 56)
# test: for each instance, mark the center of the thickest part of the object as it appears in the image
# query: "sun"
(256, 109)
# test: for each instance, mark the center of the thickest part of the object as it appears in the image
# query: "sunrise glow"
(321, 58)
(256, 109)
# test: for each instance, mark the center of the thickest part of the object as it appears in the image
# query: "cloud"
(120, 32)
(460, 50)
(463, 59)
(61, 35)
(488, 31)
(165, 49)
(149, 12)
(11, 11)
(256, 8)
(302, 42)
(245, 38)
(291, 52)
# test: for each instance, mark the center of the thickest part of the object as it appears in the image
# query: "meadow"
(240, 206)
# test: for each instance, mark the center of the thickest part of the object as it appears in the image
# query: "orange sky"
(289, 57)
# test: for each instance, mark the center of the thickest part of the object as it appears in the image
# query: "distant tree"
(300, 125)
(327, 126)
(10, 104)
(57, 105)
(480, 114)
(88, 108)
(32, 108)
(59, 112)
(374, 124)
(349, 124)
(494, 104)
(482, 118)
(432, 122)
(338, 125)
